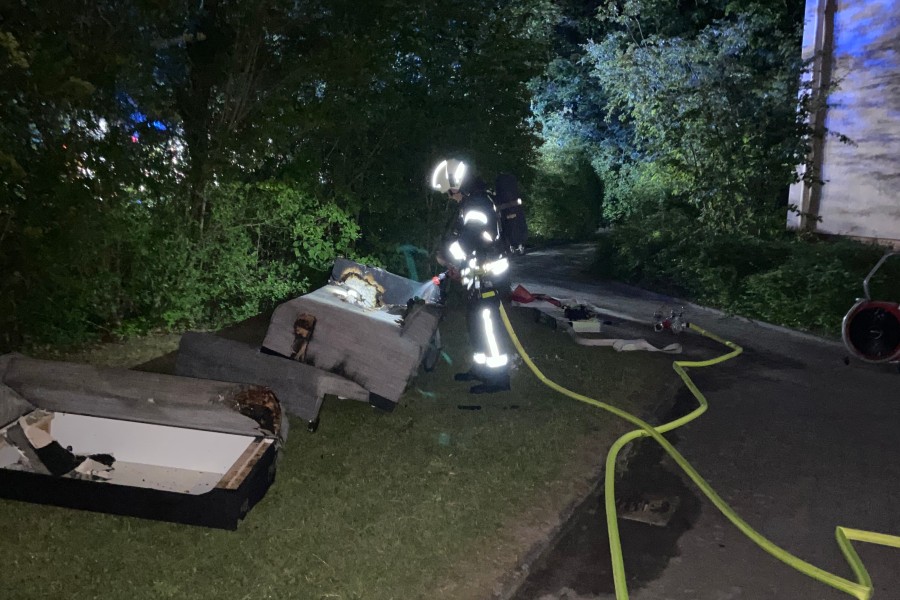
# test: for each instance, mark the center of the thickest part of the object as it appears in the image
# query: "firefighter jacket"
(476, 233)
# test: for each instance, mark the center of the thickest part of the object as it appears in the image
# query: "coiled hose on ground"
(861, 588)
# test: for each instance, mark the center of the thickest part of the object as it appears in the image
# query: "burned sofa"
(137, 444)
(362, 337)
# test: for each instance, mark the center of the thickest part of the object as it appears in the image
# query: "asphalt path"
(796, 440)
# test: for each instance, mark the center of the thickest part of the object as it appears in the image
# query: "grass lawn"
(429, 501)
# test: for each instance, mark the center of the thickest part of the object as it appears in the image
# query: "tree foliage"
(188, 162)
(693, 117)
(688, 102)
(171, 162)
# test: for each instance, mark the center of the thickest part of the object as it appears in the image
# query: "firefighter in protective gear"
(474, 250)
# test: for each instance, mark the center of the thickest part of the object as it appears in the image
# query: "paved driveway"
(795, 440)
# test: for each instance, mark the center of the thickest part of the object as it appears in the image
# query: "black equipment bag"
(513, 227)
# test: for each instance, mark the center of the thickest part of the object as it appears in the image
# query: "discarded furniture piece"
(362, 336)
(132, 443)
(299, 386)
(367, 329)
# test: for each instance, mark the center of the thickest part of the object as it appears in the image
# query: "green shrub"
(129, 268)
(263, 243)
(816, 284)
(787, 279)
(565, 199)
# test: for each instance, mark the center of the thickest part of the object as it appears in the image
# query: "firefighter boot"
(491, 385)
(466, 376)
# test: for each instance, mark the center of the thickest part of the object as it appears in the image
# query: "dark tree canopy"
(173, 162)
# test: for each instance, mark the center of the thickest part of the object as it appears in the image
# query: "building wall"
(861, 195)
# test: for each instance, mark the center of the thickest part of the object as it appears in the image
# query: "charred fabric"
(200, 447)
(134, 443)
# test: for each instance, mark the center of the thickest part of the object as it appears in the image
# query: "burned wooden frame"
(138, 444)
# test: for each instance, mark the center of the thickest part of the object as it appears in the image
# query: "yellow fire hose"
(861, 588)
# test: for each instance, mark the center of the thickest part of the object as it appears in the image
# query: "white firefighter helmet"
(448, 175)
